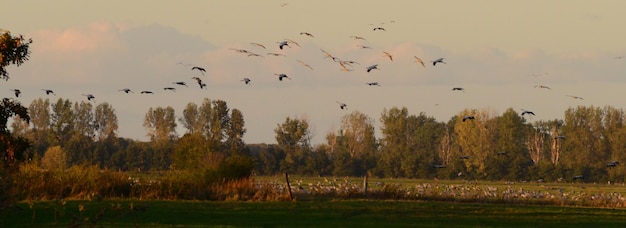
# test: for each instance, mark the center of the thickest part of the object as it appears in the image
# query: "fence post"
(365, 185)
(288, 185)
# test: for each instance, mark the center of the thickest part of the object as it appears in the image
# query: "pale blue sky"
(497, 50)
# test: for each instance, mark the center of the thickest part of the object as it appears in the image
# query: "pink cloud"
(93, 37)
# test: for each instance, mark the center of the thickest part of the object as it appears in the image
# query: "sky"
(498, 51)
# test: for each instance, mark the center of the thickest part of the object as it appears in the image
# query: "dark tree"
(13, 50)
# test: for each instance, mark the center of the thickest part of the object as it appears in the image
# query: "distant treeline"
(587, 145)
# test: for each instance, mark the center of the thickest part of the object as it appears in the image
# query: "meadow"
(336, 202)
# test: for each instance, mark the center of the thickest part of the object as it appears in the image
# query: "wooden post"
(365, 185)
(288, 185)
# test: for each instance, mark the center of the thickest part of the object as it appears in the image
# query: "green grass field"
(323, 213)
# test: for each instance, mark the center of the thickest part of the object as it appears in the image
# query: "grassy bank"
(327, 213)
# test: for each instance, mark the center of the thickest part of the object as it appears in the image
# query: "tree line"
(489, 147)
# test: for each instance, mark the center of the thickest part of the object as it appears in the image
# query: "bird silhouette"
(439, 60)
(379, 28)
(17, 92)
(281, 76)
(542, 87)
(464, 157)
(146, 92)
(202, 70)
(306, 34)
(524, 112)
(126, 90)
(577, 177)
(342, 105)
(199, 82)
(283, 44)
(246, 80)
(458, 89)
(49, 91)
(180, 83)
(304, 64)
(575, 97)
(418, 60)
(259, 45)
(357, 37)
(439, 166)
(275, 54)
(170, 88)
(372, 84)
(388, 55)
(372, 67)
(89, 96)
(468, 118)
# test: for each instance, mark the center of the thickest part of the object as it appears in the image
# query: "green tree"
(234, 132)
(13, 50)
(62, 121)
(294, 137)
(191, 119)
(84, 119)
(12, 149)
(190, 153)
(105, 121)
(161, 124)
(55, 159)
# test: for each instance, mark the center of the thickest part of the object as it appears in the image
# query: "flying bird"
(372, 84)
(458, 89)
(89, 96)
(292, 42)
(304, 64)
(388, 55)
(306, 34)
(464, 157)
(146, 92)
(439, 60)
(281, 76)
(501, 153)
(524, 112)
(180, 83)
(283, 44)
(372, 67)
(259, 45)
(17, 92)
(418, 60)
(202, 85)
(577, 177)
(240, 50)
(49, 91)
(468, 118)
(126, 90)
(363, 46)
(254, 54)
(379, 28)
(275, 54)
(169, 88)
(342, 105)
(344, 67)
(542, 87)
(246, 80)
(439, 166)
(357, 37)
(202, 70)
(575, 97)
